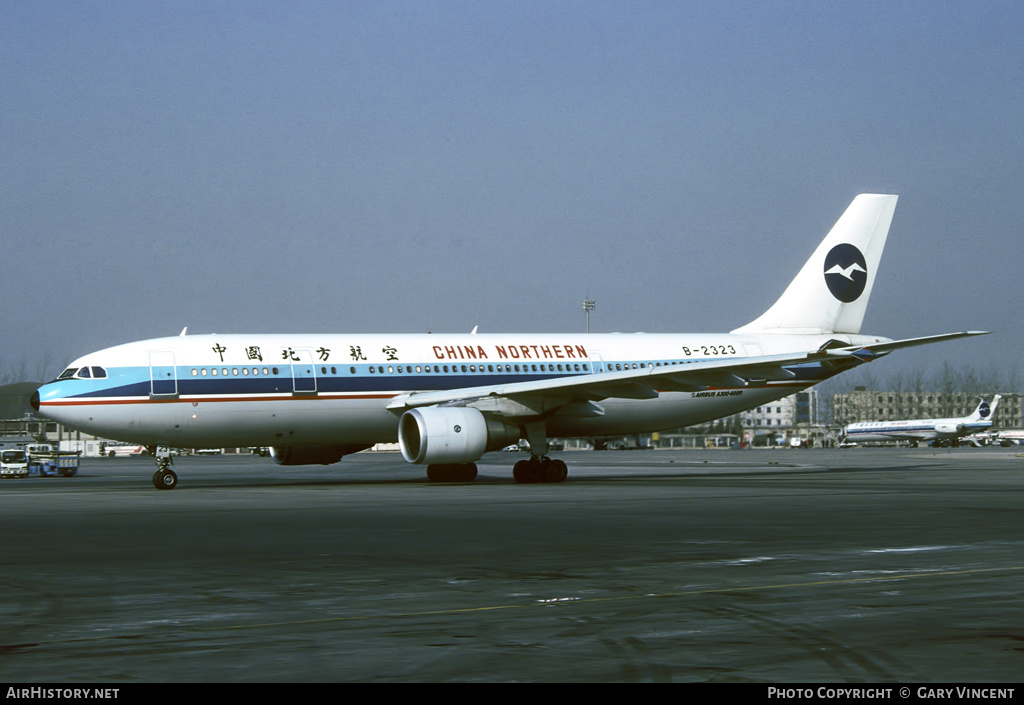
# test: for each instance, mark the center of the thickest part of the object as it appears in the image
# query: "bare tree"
(898, 386)
(44, 360)
(948, 382)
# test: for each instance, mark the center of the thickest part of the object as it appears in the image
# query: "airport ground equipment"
(13, 463)
(46, 461)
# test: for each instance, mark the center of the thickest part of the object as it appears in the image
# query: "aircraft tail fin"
(830, 294)
(985, 410)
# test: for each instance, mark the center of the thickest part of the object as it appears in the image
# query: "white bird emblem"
(845, 271)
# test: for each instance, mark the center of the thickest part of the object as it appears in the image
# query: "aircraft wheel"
(165, 480)
(540, 470)
(527, 471)
(519, 471)
(555, 471)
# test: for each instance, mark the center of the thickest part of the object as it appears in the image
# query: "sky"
(410, 166)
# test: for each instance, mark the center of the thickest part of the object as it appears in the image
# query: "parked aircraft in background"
(942, 432)
(448, 399)
(1008, 438)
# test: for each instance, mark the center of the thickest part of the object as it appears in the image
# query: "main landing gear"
(534, 470)
(539, 468)
(164, 478)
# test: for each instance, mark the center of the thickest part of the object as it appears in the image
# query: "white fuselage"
(915, 430)
(290, 390)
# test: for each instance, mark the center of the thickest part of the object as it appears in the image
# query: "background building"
(792, 418)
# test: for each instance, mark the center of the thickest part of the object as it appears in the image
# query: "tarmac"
(790, 566)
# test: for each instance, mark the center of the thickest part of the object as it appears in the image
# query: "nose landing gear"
(164, 478)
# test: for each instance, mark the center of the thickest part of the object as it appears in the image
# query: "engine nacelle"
(440, 435)
(950, 429)
(313, 455)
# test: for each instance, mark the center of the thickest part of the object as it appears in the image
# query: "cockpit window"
(94, 372)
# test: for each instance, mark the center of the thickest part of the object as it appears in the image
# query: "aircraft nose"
(34, 400)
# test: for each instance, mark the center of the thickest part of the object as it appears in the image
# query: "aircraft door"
(303, 373)
(163, 377)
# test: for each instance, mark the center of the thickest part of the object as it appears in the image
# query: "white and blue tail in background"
(985, 410)
(830, 294)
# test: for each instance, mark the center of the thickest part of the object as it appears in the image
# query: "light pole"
(588, 306)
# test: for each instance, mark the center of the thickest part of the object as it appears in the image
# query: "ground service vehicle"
(46, 461)
(13, 463)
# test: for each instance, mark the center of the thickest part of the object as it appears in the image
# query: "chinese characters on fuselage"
(440, 352)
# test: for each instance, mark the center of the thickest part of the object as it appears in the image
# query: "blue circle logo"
(846, 272)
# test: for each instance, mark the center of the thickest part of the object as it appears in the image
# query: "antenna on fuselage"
(183, 332)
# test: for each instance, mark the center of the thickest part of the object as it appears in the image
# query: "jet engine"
(950, 429)
(438, 435)
(313, 455)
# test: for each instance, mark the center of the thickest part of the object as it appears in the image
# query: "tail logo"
(984, 410)
(846, 272)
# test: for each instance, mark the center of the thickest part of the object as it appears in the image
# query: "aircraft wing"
(541, 396)
(578, 394)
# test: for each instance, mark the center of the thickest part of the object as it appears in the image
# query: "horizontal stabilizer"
(890, 345)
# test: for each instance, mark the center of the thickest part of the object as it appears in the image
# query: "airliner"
(1009, 438)
(448, 399)
(942, 432)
